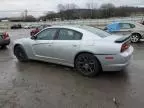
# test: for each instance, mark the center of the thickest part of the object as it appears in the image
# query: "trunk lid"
(117, 38)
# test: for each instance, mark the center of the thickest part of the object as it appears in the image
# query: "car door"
(125, 29)
(66, 45)
(42, 45)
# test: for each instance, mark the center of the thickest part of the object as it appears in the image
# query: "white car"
(135, 30)
(88, 49)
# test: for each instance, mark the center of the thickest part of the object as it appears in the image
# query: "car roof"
(73, 27)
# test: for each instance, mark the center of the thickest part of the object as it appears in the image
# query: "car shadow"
(3, 48)
(103, 75)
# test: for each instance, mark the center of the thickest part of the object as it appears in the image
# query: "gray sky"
(10, 8)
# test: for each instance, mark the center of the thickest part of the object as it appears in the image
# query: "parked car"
(135, 30)
(30, 26)
(33, 32)
(16, 26)
(142, 22)
(4, 39)
(26, 26)
(88, 49)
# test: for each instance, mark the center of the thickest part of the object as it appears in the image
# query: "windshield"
(96, 31)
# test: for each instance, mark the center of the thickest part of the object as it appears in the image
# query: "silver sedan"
(89, 50)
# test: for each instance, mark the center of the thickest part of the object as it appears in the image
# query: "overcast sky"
(10, 8)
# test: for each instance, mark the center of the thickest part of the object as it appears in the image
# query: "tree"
(107, 10)
(30, 18)
(61, 7)
(107, 6)
(65, 7)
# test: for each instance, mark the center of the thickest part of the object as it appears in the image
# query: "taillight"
(124, 47)
(5, 36)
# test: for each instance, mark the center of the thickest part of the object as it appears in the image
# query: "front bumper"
(119, 62)
(4, 42)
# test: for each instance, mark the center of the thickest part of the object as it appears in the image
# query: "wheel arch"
(137, 33)
(82, 52)
(16, 46)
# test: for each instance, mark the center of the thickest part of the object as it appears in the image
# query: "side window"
(67, 34)
(132, 25)
(47, 34)
(125, 26)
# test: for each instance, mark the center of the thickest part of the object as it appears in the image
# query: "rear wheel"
(135, 38)
(20, 54)
(87, 65)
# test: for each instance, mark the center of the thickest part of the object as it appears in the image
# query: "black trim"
(104, 54)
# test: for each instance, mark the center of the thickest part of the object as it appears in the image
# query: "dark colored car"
(142, 22)
(4, 39)
(16, 26)
(35, 31)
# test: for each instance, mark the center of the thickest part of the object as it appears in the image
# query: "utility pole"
(26, 13)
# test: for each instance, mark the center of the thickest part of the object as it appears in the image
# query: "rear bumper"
(117, 67)
(119, 62)
(5, 42)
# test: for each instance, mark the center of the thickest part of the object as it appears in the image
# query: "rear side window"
(125, 26)
(67, 34)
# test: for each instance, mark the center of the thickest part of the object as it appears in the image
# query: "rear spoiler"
(123, 39)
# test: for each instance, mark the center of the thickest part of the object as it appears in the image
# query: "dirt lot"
(45, 85)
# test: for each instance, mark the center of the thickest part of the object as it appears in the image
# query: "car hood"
(22, 40)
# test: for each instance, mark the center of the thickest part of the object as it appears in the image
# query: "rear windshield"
(96, 31)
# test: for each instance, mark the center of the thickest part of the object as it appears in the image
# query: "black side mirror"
(33, 37)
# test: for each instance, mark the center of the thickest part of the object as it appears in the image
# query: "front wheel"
(135, 38)
(20, 54)
(87, 65)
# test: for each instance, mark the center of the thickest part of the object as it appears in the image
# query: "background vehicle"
(16, 26)
(86, 48)
(142, 22)
(33, 32)
(135, 30)
(4, 39)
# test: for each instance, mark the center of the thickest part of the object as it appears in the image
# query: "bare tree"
(107, 6)
(91, 6)
(61, 7)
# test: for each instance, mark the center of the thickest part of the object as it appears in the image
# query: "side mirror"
(33, 37)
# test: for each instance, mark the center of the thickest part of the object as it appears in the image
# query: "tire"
(135, 38)
(20, 54)
(87, 64)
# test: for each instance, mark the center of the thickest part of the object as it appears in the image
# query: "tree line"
(72, 11)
